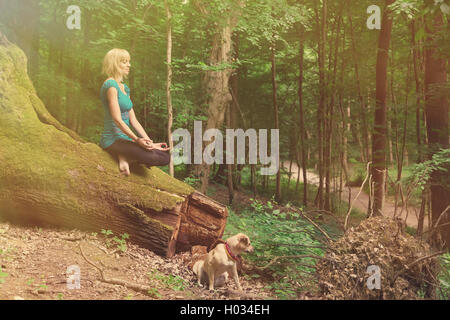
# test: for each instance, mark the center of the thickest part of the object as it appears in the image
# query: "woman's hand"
(145, 143)
(161, 146)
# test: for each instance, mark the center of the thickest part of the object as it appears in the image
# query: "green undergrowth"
(443, 292)
(171, 282)
(280, 235)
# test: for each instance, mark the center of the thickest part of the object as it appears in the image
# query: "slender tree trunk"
(169, 84)
(362, 113)
(275, 107)
(390, 148)
(321, 27)
(330, 117)
(345, 115)
(403, 151)
(418, 90)
(229, 167)
(379, 134)
(253, 178)
(302, 116)
(234, 110)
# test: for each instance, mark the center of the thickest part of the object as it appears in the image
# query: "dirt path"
(362, 202)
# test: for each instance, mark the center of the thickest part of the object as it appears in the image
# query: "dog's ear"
(244, 239)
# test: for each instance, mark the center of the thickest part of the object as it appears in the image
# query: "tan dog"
(222, 261)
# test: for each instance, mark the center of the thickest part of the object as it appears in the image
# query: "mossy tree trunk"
(51, 177)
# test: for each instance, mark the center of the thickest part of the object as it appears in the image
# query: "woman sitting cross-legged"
(117, 138)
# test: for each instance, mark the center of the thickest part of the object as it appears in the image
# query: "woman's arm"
(136, 125)
(114, 109)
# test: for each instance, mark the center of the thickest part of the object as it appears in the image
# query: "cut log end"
(203, 223)
(198, 220)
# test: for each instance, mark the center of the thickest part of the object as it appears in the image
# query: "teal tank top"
(111, 132)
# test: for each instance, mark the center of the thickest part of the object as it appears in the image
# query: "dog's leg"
(236, 277)
(211, 279)
(199, 278)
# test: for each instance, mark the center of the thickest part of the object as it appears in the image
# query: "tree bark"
(302, 116)
(418, 91)
(275, 106)
(55, 178)
(362, 113)
(330, 117)
(216, 83)
(169, 84)
(436, 110)
(321, 28)
(379, 134)
(229, 167)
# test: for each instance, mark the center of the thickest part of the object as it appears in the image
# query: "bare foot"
(124, 167)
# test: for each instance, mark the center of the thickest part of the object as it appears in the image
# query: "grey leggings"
(132, 151)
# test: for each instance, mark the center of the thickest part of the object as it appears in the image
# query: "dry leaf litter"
(378, 241)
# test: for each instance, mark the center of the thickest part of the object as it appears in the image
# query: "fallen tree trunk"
(52, 177)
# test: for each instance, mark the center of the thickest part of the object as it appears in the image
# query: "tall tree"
(436, 110)
(302, 113)
(216, 82)
(275, 103)
(364, 145)
(321, 22)
(169, 83)
(379, 133)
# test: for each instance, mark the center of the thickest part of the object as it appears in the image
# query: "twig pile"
(407, 266)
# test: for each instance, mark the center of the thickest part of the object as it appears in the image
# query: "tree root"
(133, 286)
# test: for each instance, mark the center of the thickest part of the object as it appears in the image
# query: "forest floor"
(34, 262)
(362, 201)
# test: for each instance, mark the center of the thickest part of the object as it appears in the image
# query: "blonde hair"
(111, 62)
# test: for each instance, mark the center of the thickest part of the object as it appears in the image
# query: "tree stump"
(50, 176)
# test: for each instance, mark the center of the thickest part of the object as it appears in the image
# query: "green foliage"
(111, 240)
(172, 282)
(192, 181)
(440, 162)
(106, 232)
(443, 292)
(153, 292)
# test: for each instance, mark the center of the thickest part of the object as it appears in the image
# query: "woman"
(117, 138)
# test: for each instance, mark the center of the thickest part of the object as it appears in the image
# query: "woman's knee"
(157, 158)
(166, 158)
(163, 158)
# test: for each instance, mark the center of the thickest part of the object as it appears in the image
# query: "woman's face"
(124, 66)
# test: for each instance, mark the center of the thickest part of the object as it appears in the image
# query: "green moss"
(51, 158)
